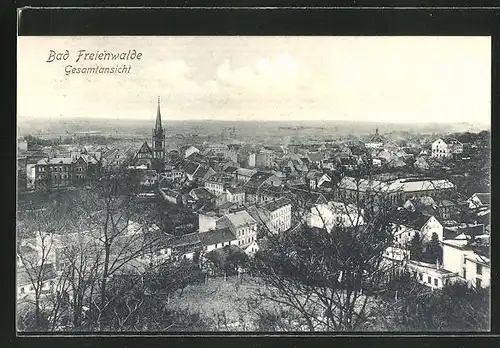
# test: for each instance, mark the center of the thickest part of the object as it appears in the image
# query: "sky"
(382, 79)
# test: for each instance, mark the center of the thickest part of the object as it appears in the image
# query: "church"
(152, 157)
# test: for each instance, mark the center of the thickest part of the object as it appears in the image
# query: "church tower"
(158, 142)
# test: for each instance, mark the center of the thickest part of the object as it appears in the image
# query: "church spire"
(158, 126)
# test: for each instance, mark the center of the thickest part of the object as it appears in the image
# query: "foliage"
(455, 307)
(322, 276)
(227, 260)
(416, 248)
(433, 250)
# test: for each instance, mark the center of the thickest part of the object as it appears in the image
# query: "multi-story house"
(217, 184)
(333, 215)
(53, 172)
(244, 174)
(469, 259)
(431, 275)
(242, 225)
(279, 213)
(446, 148)
(235, 195)
(409, 223)
(85, 167)
(265, 159)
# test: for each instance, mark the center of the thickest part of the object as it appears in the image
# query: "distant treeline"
(96, 139)
(469, 137)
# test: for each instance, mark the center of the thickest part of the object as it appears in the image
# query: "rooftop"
(240, 219)
(187, 239)
(56, 160)
(432, 268)
(246, 171)
(236, 190)
(276, 204)
(216, 236)
(485, 198)
(404, 185)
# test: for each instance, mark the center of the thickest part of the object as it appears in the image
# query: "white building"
(251, 160)
(242, 225)
(235, 195)
(244, 174)
(190, 150)
(446, 148)
(470, 264)
(432, 275)
(215, 186)
(478, 200)
(265, 158)
(217, 239)
(335, 214)
(424, 225)
(279, 214)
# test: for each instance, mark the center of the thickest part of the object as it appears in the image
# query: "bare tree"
(324, 276)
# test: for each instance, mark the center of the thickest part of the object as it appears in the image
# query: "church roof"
(377, 138)
(158, 126)
(145, 149)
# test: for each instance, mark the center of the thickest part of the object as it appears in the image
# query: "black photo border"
(362, 21)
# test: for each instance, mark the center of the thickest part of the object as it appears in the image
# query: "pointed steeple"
(376, 130)
(158, 126)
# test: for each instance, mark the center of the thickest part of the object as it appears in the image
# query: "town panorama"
(211, 188)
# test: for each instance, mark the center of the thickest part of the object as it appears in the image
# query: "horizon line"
(249, 120)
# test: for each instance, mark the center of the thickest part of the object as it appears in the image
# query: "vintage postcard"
(253, 184)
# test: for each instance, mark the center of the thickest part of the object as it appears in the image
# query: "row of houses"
(465, 245)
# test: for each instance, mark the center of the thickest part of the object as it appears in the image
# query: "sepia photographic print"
(253, 184)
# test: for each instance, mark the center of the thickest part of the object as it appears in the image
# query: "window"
(464, 271)
(479, 269)
(478, 282)
(428, 279)
(435, 282)
(421, 276)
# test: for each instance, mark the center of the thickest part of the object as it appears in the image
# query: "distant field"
(264, 131)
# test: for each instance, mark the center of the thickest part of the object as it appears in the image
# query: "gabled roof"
(276, 204)
(452, 141)
(191, 167)
(238, 219)
(202, 172)
(226, 205)
(235, 190)
(56, 160)
(485, 198)
(145, 149)
(258, 179)
(305, 196)
(201, 193)
(230, 169)
(170, 193)
(246, 172)
(415, 220)
(187, 239)
(217, 236)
